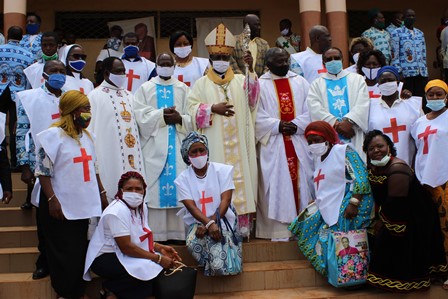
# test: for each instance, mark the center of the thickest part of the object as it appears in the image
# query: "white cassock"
(308, 64)
(357, 105)
(231, 139)
(431, 139)
(161, 145)
(33, 74)
(84, 85)
(276, 207)
(396, 122)
(137, 72)
(117, 142)
(191, 72)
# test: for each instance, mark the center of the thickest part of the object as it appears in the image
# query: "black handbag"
(178, 283)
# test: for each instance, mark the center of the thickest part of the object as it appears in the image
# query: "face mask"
(409, 22)
(370, 73)
(32, 28)
(436, 105)
(182, 52)
(284, 32)
(318, 149)
(388, 88)
(199, 162)
(84, 119)
(131, 51)
(56, 81)
(280, 71)
(165, 71)
(118, 80)
(52, 57)
(356, 57)
(380, 25)
(114, 43)
(382, 162)
(133, 199)
(334, 67)
(221, 66)
(77, 65)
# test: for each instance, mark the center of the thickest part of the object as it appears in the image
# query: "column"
(309, 17)
(337, 23)
(14, 14)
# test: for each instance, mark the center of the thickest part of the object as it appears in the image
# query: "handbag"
(177, 283)
(348, 258)
(224, 256)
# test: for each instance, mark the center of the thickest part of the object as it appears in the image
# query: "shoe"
(40, 273)
(26, 206)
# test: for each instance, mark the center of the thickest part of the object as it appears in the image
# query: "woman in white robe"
(74, 59)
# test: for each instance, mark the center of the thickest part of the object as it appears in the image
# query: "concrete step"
(18, 236)
(18, 259)
(18, 197)
(22, 286)
(14, 216)
(16, 181)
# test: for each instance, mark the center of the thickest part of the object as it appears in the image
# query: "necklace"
(224, 88)
(201, 176)
(184, 64)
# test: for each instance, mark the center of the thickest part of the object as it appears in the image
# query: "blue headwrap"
(193, 137)
(388, 69)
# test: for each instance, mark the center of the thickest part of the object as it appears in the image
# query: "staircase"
(271, 270)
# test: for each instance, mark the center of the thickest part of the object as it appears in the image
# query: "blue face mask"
(32, 28)
(77, 65)
(436, 105)
(334, 67)
(131, 51)
(56, 81)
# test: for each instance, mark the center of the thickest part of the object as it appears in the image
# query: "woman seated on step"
(122, 249)
(205, 188)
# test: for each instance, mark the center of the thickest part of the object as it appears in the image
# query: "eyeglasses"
(79, 56)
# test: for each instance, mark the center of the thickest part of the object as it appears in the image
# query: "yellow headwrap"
(69, 102)
(436, 83)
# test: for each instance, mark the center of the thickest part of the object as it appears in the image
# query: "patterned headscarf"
(193, 137)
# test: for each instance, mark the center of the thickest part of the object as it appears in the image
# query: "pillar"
(337, 24)
(309, 17)
(14, 14)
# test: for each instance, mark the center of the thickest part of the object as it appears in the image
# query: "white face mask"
(199, 162)
(165, 71)
(182, 52)
(318, 149)
(356, 58)
(388, 88)
(370, 73)
(284, 32)
(118, 80)
(221, 66)
(382, 162)
(133, 199)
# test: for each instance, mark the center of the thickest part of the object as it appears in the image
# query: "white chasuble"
(329, 183)
(74, 178)
(431, 139)
(140, 234)
(33, 74)
(396, 122)
(308, 64)
(117, 142)
(137, 72)
(74, 82)
(191, 72)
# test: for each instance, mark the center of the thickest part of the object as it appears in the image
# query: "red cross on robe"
(319, 177)
(203, 201)
(373, 95)
(150, 237)
(394, 129)
(84, 159)
(82, 90)
(181, 79)
(425, 136)
(55, 116)
(322, 70)
(131, 76)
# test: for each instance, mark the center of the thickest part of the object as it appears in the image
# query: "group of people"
(158, 149)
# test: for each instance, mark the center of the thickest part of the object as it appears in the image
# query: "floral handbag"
(348, 258)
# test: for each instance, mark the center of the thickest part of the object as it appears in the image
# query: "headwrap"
(193, 137)
(436, 83)
(323, 129)
(388, 69)
(66, 51)
(114, 43)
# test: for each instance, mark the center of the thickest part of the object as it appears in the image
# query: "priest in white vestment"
(117, 142)
(74, 59)
(161, 112)
(225, 112)
(341, 99)
(282, 117)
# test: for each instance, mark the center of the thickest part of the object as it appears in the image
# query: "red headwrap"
(324, 129)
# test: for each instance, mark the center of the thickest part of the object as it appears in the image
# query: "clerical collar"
(137, 58)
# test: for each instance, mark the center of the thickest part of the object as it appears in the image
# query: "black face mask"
(280, 71)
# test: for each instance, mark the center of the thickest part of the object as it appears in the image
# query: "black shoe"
(26, 206)
(40, 273)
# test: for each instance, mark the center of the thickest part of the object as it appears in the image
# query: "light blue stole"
(338, 104)
(167, 189)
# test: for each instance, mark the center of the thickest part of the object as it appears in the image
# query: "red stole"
(287, 113)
